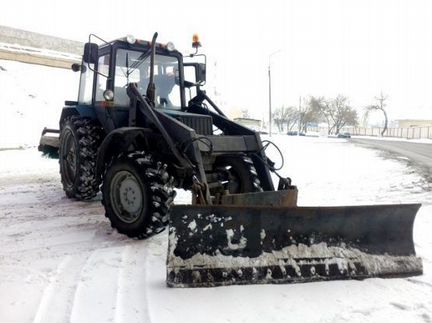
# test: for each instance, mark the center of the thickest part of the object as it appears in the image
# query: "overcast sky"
(354, 48)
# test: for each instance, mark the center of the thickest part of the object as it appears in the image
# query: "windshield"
(134, 66)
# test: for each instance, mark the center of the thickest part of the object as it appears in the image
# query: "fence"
(407, 133)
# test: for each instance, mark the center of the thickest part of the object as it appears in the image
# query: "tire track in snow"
(418, 281)
(97, 288)
(132, 302)
(56, 302)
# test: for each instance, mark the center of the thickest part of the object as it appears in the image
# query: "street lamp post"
(269, 82)
(300, 117)
(270, 107)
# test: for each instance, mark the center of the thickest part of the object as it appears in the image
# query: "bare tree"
(379, 107)
(277, 117)
(336, 112)
(343, 113)
(307, 115)
(291, 117)
(320, 106)
(285, 116)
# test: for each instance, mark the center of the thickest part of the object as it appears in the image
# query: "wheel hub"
(231, 179)
(127, 197)
(130, 196)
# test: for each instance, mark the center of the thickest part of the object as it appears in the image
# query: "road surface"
(418, 153)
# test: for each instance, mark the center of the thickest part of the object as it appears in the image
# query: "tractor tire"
(80, 139)
(137, 193)
(241, 173)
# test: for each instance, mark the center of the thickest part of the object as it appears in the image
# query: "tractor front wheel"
(239, 174)
(137, 193)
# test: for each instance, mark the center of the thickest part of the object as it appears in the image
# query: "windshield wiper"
(138, 62)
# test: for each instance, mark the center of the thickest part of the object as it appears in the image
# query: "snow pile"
(32, 98)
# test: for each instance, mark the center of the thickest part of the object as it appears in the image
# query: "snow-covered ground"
(60, 260)
(31, 98)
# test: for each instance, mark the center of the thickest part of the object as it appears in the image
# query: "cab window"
(134, 66)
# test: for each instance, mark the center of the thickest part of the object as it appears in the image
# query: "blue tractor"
(140, 128)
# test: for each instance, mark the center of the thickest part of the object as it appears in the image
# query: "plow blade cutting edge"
(225, 245)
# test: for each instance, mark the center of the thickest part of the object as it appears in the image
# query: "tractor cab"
(108, 69)
(112, 66)
(133, 66)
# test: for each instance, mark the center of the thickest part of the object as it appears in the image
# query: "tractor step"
(225, 245)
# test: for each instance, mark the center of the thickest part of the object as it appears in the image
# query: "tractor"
(141, 129)
(135, 130)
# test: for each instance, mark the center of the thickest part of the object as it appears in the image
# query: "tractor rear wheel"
(137, 193)
(79, 141)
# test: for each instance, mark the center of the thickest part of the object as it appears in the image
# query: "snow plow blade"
(225, 245)
(49, 142)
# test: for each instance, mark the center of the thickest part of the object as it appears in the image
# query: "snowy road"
(420, 153)
(60, 260)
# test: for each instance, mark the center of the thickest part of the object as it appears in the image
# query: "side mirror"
(90, 53)
(200, 73)
(76, 67)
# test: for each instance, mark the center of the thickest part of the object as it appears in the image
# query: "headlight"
(108, 95)
(130, 39)
(170, 46)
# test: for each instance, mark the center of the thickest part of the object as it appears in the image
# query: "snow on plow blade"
(225, 245)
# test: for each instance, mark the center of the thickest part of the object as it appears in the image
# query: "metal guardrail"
(406, 133)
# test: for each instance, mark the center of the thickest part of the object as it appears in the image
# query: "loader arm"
(180, 133)
(151, 115)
